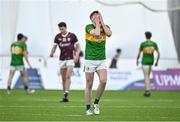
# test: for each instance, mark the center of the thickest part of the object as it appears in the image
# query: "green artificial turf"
(44, 105)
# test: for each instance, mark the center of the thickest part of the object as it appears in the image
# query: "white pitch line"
(59, 115)
(104, 100)
(159, 107)
(68, 115)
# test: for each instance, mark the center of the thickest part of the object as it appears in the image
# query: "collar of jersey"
(65, 34)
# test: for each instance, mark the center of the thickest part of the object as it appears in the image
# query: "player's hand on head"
(101, 19)
(96, 19)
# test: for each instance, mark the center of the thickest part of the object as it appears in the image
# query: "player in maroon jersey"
(70, 49)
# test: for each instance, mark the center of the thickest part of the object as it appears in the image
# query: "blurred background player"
(148, 47)
(115, 59)
(95, 59)
(70, 49)
(18, 51)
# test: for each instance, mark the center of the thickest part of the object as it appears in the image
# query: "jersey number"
(149, 50)
(16, 50)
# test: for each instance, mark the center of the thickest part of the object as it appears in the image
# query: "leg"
(25, 78)
(102, 73)
(67, 83)
(26, 81)
(63, 76)
(89, 84)
(103, 79)
(88, 91)
(147, 71)
(11, 75)
(150, 69)
(68, 78)
(89, 70)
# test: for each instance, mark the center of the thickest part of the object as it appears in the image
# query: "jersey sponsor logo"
(64, 45)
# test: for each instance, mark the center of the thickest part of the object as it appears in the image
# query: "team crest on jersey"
(87, 68)
(68, 39)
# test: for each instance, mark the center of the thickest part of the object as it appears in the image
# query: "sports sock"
(88, 107)
(26, 88)
(96, 101)
(9, 88)
(66, 94)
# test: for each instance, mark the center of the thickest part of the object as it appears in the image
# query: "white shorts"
(18, 68)
(65, 63)
(93, 66)
(146, 66)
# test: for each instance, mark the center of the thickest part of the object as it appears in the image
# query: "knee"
(68, 77)
(103, 81)
(89, 84)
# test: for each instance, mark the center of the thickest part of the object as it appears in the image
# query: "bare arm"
(53, 50)
(26, 58)
(158, 57)
(138, 56)
(107, 30)
(77, 51)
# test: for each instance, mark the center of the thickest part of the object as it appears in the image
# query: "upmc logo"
(166, 80)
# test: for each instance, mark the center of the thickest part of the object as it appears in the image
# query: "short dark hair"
(20, 36)
(148, 34)
(62, 24)
(94, 12)
(118, 50)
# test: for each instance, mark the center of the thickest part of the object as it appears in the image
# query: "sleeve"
(108, 26)
(89, 28)
(56, 41)
(11, 47)
(75, 39)
(156, 46)
(25, 47)
(141, 47)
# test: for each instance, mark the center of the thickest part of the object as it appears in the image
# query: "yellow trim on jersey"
(94, 39)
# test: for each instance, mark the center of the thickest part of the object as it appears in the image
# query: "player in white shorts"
(95, 59)
(70, 49)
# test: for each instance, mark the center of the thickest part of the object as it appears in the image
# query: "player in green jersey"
(148, 47)
(95, 56)
(18, 51)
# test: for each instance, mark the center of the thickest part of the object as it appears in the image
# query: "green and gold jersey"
(17, 50)
(148, 48)
(95, 46)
